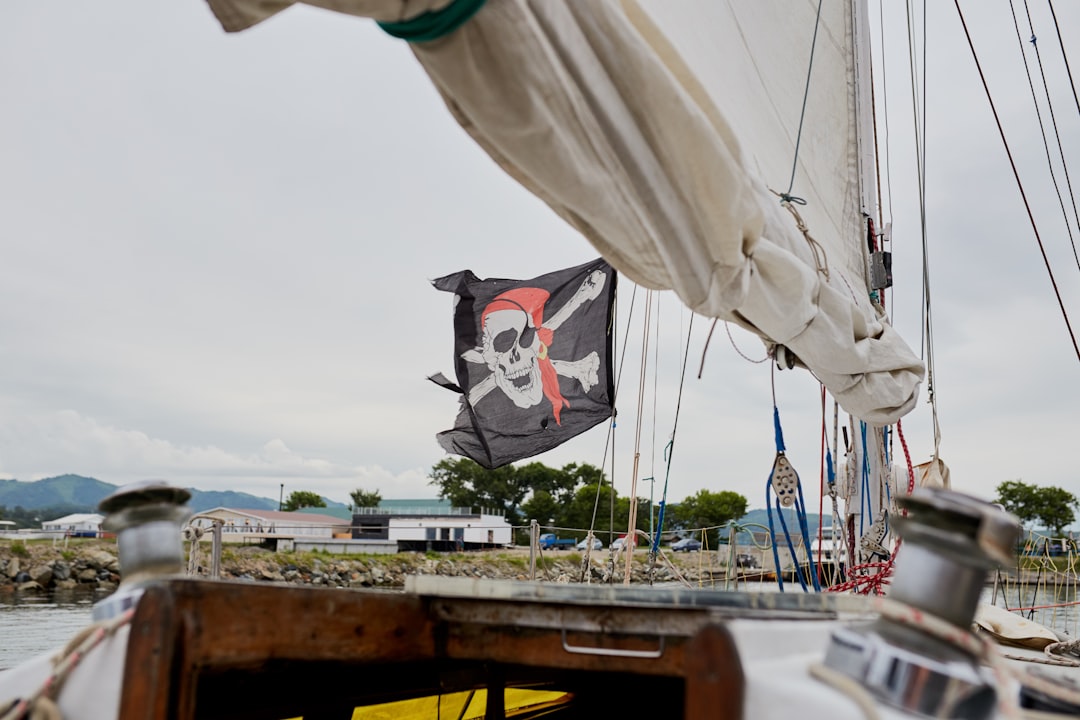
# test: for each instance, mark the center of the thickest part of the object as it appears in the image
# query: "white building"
(239, 525)
(433, 528)
(77, 525)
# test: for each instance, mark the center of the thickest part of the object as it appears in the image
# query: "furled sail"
(657, 129)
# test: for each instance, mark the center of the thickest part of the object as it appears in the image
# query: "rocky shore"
(91, 565)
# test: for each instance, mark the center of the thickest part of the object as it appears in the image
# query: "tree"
(1051, 507)
(302, 499)
(558, 484)
(543, 508)
(365, 499)
(709, 509)
(578, 513)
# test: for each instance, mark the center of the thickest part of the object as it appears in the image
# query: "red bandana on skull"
(532, 301)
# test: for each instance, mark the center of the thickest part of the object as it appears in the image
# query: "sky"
(217, 253)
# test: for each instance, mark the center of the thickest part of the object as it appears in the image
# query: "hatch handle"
(612, 652)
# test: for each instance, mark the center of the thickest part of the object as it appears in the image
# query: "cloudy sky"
(216, 255)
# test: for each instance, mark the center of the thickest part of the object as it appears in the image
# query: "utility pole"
(281, 497)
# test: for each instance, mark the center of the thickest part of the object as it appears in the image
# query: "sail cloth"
(533, 361)
(657, 129)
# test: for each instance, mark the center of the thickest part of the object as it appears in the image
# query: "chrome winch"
(146, 517)
(951, 541)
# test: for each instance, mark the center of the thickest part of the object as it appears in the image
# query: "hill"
(761, 517)
(63, 490)
(75, 493)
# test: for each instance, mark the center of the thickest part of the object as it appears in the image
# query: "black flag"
(533, 361)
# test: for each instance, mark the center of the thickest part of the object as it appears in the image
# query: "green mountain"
(760, 518)
(66, 490)
(75, 493)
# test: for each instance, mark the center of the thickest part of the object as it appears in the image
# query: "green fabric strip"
(434, 25)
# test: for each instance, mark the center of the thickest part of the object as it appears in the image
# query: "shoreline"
(91, 565)
(84, 567)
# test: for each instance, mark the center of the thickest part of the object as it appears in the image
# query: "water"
(29, 627)
(1055, 606)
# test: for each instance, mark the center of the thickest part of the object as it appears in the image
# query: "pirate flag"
(533, 361)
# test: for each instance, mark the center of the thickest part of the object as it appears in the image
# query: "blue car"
(686, 545)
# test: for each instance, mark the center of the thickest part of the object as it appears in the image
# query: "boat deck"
(212, 649)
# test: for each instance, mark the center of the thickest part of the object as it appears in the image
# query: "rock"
(66, 584)
(42, 575)
(101, 560)
(61, 571)
(87, 575)
(28, 586)
(13, 567)
(273, 575)
(22, 577)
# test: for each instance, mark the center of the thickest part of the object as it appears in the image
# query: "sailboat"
(673, 152)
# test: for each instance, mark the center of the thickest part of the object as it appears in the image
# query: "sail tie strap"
(435, 24)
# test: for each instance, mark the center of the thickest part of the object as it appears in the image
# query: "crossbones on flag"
(533, 361)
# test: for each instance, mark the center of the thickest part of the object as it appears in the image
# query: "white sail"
(644, 150)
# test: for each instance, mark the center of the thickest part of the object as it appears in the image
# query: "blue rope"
(659, 526)
(864, 501)
(830, 474)
(800, 515)
(791, 547)
(778, 430)
(663, 498)
(830, 471)
(772, 532)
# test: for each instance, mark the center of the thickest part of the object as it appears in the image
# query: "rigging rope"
(1064, 56)
(669, 450)
(787, 196)
(1019, 184)
(926, 349)
(609, 441)
(1042, 124)
(631, 532)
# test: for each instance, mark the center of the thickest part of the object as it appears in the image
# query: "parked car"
(745, 560)
(548, 541)
(686, 545)
(596, 544)
(618, 543)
